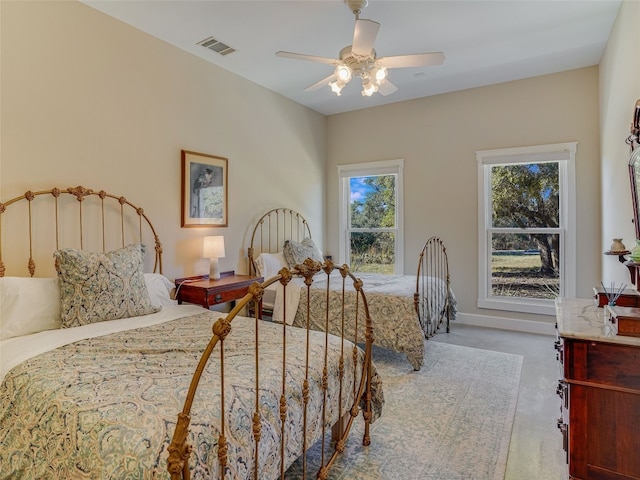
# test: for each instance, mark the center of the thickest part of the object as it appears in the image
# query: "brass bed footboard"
(433, 298)
(353, 389)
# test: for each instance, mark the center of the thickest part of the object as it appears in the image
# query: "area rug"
(452, 420)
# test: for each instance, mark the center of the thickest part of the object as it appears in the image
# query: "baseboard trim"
(516, 324)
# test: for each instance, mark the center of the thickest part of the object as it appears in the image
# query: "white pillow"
(269, 264)
(28, 305)
(159, 288)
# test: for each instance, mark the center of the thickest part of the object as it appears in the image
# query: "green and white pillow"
(297, 252)
(95, 287)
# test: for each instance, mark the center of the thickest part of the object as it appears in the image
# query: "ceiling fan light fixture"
(368, 87)
(380, 74)
(360, 60)
(343, 74)
(336, 87)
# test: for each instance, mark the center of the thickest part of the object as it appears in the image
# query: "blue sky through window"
(358, 189)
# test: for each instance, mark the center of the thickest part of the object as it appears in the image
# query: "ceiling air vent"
(217, 46)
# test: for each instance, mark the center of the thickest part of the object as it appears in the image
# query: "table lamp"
(213, 249)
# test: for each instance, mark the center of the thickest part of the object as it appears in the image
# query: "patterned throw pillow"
(297, 252)
(95, 287)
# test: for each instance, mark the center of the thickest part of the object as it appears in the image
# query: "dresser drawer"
(603, 364)
(613, 365)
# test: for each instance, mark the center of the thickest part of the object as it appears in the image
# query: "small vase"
(617, 245)
(635, 252)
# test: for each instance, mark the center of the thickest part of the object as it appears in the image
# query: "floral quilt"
(106, 407)
(390, 299)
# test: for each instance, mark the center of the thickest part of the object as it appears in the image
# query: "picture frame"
(204, 190)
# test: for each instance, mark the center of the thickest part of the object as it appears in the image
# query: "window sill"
(529, 305)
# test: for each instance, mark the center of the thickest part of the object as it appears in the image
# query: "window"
(371, 221)
(526, 209)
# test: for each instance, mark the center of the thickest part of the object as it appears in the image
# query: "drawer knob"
(218, 298)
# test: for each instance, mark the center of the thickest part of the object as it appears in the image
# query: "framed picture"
(204, 190)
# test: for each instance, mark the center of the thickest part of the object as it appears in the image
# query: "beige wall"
(438, 137)
(619, 90)
(89, 100)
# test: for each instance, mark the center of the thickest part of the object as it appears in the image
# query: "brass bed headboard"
(98, 221)
(273, 229)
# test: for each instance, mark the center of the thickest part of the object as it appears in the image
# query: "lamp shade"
(213, 247)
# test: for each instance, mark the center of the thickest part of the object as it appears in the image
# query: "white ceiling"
(484, 42)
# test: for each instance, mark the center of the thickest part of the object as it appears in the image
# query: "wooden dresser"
(600, 393)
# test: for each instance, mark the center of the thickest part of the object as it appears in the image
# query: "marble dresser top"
(581, 318)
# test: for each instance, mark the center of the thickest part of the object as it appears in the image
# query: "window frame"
(368, 169)
(564, 155)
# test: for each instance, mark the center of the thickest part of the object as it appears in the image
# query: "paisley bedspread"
(391, 305)
(106, 407)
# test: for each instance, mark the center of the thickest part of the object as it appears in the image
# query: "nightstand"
(203, 291)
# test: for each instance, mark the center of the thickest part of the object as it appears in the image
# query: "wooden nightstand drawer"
(203, 291)
(222, 297)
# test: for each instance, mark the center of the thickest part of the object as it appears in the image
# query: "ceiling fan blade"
(413, 60)
(386, 88)
(321, 83)
(310, 58)
(364, 36)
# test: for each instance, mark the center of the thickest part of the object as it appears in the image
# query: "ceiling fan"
(359, 59)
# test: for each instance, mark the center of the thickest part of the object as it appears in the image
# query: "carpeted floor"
(452, 420)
